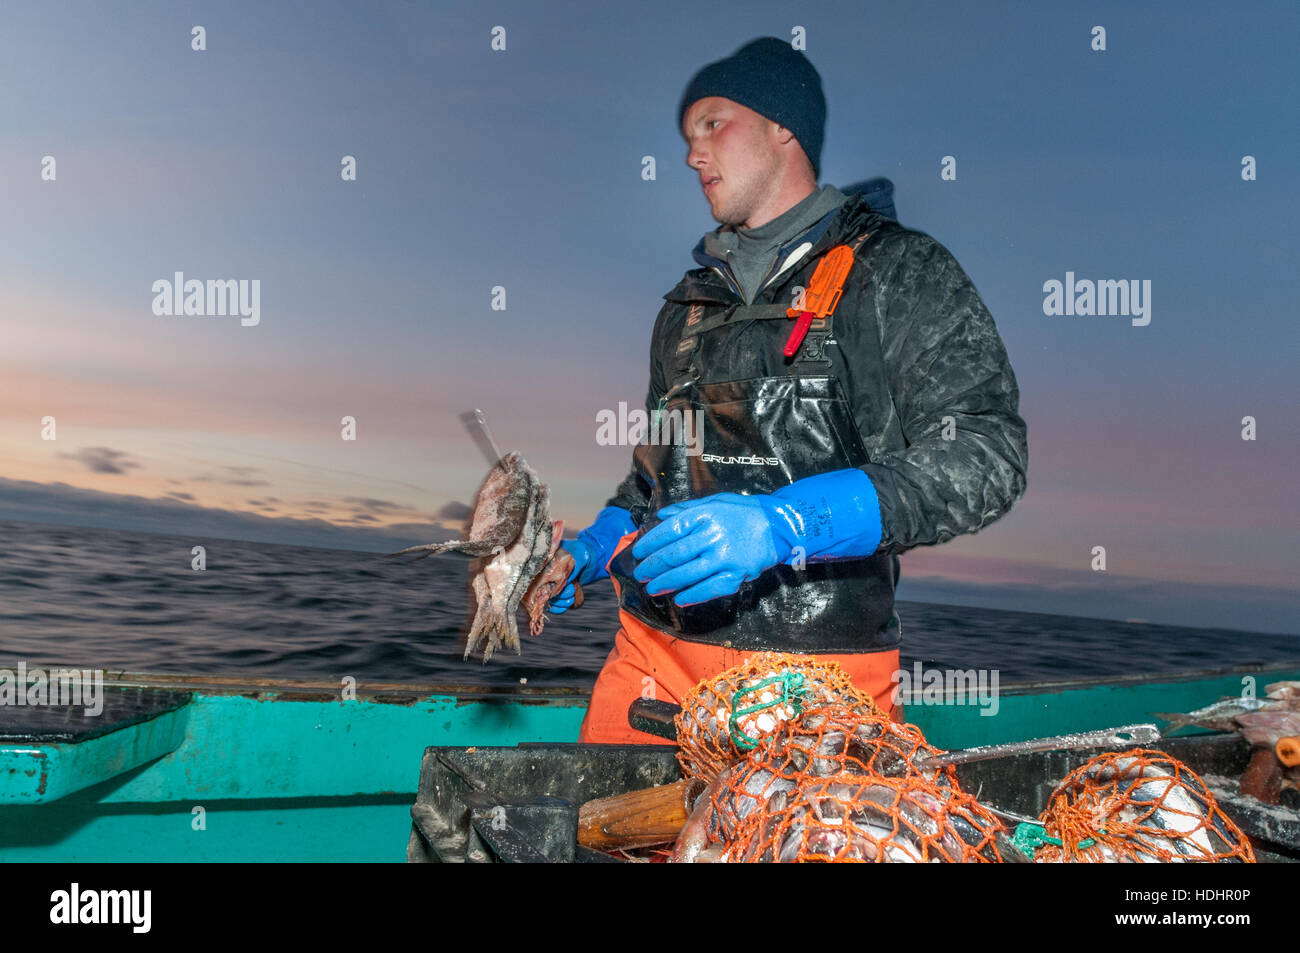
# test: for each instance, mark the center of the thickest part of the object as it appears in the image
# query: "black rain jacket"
(918, 355)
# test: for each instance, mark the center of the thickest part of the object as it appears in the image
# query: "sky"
(523, 169)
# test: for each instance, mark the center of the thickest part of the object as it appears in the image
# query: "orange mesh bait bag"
(836, 739)
(833, 767)
(1136, 806)
(820, 743)
(730, 797)
(851, 818)
(728, 714)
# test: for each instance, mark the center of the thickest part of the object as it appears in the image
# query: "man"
(827, 448)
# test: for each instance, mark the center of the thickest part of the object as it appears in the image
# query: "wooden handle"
(1288, 750)
(638, 818)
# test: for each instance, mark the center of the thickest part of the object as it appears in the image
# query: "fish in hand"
(516, 544)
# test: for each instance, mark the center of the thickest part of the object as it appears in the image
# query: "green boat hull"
(218, 770)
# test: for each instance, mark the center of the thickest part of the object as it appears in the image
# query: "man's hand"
(710, 546)
(591, 551)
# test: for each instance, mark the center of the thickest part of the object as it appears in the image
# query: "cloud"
(235, 476)
(103, 460)
(382, 506)
(60, 504)
(455, 510)
(187, 497)
(419, 528)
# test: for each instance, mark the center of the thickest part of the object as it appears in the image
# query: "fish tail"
(492, 629)
(1175, 719)
(425, 551)
(469, 547)
(512, 633)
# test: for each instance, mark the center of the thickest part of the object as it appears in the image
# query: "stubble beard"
(735, 209)
(743, 197)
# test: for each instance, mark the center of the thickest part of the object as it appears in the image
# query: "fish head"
(512, 468)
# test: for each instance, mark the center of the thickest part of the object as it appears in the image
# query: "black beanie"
(775, 80)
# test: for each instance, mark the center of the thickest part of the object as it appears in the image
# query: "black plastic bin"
(485, 805)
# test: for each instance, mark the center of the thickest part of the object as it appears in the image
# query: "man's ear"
(783, 135)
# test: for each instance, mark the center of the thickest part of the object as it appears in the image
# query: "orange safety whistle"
(821, 296)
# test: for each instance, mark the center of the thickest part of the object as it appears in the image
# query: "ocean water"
(95, 598)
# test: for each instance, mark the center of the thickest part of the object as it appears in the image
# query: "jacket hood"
(878, 192)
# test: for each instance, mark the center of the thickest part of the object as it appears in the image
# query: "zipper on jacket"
(794, 256)
(730, 284)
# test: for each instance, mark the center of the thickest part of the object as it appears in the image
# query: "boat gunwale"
(1252, 668)
(290, 689)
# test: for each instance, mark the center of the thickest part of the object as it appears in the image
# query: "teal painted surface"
(1021, 716)
(249, 748)
(39, 773)
(293, 829)
(287, 780)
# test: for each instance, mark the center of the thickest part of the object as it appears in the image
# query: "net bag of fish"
(1136, 806)
(837, 785)
(727, 715)
(847, 818)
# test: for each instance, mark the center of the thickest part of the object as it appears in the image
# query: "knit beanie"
(775, 80)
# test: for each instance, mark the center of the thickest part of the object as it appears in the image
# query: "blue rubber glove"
(708, 547)
(591, 550)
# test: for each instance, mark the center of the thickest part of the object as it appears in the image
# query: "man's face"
(735, 145)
